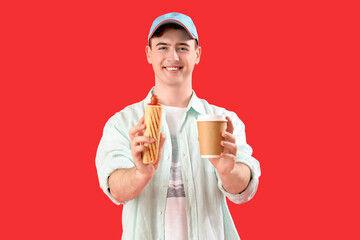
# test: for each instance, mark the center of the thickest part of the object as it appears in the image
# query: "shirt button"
(184, 154)
(160, 212)
(163, 185)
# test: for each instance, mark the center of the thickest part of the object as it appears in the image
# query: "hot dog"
(153, 115)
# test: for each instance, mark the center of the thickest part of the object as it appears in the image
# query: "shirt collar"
(195, 103)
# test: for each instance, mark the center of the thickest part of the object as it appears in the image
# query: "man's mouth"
(172, 68)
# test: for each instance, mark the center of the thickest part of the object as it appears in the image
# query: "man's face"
(173, 56)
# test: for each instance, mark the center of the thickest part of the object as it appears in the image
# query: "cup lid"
(211, 117)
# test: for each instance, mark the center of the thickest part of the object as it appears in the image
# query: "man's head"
(173, 49)
(159, 32)
(173, 20)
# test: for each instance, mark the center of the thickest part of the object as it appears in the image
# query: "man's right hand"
(138, 139)
(128, 183)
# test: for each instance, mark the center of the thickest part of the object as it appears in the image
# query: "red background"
(289, 69)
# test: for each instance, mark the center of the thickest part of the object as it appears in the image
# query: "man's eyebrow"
(167, 44)
(162, 44)
(183, 44)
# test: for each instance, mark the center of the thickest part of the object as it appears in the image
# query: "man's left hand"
(226, 163)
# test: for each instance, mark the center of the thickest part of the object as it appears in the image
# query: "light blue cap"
(177, 18)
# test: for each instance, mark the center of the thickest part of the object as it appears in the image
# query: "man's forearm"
(127, 184)
(237, 180)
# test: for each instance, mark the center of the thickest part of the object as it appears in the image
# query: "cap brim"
(171, 21)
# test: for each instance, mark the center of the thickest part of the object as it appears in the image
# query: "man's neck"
(174, 96)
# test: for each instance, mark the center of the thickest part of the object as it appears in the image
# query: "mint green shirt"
(208, 216)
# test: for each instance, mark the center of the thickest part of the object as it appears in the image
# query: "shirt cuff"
(250, 190)
(105, 174)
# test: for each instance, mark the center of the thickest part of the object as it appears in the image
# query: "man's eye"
(183, 49)
(162, 48)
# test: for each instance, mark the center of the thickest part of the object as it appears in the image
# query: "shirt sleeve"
(244, 152)
(114, 152)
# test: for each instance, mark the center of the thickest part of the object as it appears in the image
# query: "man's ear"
(198, 54)
(148, 53)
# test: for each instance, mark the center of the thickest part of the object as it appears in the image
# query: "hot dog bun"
(153, 115)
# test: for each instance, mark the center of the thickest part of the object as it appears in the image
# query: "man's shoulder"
(129, 116)
(214, 109)
(133, 108)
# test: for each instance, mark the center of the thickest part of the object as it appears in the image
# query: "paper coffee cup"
(210, 128)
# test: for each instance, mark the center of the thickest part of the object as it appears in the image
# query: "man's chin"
(173, 81)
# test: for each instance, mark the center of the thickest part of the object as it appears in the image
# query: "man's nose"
(173, 55)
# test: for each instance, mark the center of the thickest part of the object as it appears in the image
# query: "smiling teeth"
(172, 68)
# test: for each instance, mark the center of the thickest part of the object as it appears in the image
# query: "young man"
(182, 196)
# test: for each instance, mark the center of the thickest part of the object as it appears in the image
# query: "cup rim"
(211, 118)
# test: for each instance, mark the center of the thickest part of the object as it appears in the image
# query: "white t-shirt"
(175, 211)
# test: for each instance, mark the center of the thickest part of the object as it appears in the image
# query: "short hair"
(161, 30)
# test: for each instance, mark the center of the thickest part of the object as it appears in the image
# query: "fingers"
(228, 156)
(230, 125)
(138, 129)
(140, 149)
(162, 141)
(229, 142)
(139, 140)
(142, 119)
(228, 137)
(229, 147)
